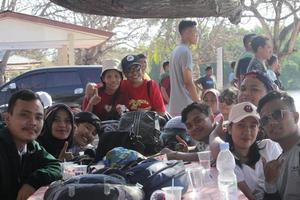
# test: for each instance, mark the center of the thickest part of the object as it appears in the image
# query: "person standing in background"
(183, 89)
(143, 61)
(165, 85)
(208, 81)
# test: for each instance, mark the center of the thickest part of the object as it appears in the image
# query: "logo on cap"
(248, 109)
(130, 58)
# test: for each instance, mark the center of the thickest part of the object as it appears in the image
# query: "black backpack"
(144, 130)
(93, 187)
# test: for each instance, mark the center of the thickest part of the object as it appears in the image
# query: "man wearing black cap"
(88, 126)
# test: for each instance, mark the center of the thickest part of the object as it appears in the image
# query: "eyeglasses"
(276, 115)
(134, 68)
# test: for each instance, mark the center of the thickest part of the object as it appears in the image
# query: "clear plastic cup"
(195, 175)
(173, 193)
(204, 159)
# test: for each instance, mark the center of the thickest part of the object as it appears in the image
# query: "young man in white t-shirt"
(279, 119)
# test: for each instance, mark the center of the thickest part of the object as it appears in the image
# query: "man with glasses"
(142, 94)
(279, 119)
(183, 89)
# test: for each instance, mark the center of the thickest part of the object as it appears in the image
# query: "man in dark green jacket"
(24, 164)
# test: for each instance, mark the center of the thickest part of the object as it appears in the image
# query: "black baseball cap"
(88, 117)
(129, 61)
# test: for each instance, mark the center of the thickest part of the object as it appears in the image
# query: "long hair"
(253, 155)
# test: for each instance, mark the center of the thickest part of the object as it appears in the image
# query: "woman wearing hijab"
(58, 131)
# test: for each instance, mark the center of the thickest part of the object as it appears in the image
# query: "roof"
(157, 8)
(22, 31)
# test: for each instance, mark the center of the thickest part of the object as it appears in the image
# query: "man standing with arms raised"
(183, 89)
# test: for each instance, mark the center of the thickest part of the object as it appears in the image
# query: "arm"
(189, 84)
(49, 168)
(215, 140)
(164, 94)
(246, 190)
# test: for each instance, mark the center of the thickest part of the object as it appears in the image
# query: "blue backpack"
(152, 174)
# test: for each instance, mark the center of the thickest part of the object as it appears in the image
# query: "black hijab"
(46, 139)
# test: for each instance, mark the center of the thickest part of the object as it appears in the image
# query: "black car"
(65, 84)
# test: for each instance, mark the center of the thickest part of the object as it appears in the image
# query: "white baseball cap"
(242, 110)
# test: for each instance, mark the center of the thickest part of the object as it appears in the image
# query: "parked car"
(65, 84)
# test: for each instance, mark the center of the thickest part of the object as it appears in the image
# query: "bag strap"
(148, 87)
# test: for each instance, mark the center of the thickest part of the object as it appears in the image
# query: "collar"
(23, 151)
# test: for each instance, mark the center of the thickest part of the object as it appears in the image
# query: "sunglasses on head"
(276, 115)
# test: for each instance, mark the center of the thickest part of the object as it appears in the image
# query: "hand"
(182, 145)
(120, 109)
(95, 100)
(219, 129)
(272, 170)
(64, 155)
(25, 192)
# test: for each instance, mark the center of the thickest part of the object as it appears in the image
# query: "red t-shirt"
(106, 109)
(139, 98)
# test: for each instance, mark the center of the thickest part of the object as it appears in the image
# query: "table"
(210, 192)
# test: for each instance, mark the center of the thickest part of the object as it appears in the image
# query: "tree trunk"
(3, 64)
(157, 8)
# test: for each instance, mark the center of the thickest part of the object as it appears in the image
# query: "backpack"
(144, 130)
(93, 187)
(152, 174)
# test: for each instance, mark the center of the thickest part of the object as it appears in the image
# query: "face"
(112, 80)
(143, 62)
(26, 120)
(191, 35)
(244, 133)
(135, 74)
(85, 133)
(277, 121)
(166, 68)
(266, 51)
(199, 126)
(211, 100)
(62, 125)
(209, 72)
(251, 90)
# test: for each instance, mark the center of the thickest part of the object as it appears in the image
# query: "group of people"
(256, 118)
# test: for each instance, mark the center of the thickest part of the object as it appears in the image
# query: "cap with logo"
(129, 61)
(242, 110)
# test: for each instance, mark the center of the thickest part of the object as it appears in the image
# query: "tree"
(279, 20)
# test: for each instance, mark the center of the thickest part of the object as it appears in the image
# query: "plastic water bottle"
(226, 179)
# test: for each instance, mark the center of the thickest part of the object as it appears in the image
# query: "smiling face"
(199, 125)
(244, 133)
(251, 90)
(85, 134)
(112, 80)
(282, 127)
(135, 74)
(26, 120)
(62, 125)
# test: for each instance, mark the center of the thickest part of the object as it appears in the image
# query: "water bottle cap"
(224, 146)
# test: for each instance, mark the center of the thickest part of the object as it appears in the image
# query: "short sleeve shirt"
(139, 98)
(255, 178)
(181, 59)
(206, 82)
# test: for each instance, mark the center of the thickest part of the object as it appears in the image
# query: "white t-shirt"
(288, 183)
(255, 178)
